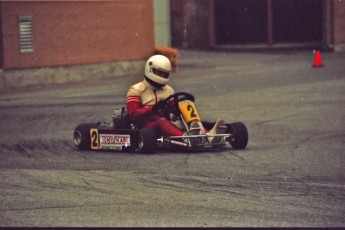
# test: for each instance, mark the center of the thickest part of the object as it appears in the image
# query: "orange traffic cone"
(317, 59)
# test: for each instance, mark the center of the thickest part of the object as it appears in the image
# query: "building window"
(25, 34)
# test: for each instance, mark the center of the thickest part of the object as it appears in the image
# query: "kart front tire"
(239, 135)
(147, 140)
(81, 136)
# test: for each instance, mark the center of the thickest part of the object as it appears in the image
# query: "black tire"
(147, 140)
(81, 136)
(239, 135)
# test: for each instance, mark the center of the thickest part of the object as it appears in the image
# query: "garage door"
(280, 21)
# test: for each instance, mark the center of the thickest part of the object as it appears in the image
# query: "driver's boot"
(218, 128)
(196, 128)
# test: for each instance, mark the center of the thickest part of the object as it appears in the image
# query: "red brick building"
(72, 32)
(338, 25)
(71, 38)
(202, 24)
(59, 41)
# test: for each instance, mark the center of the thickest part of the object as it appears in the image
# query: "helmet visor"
(161, 73)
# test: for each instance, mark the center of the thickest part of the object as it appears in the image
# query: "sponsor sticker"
(112, 141)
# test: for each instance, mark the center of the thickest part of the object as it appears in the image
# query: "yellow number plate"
(94, 138)
(189, 111)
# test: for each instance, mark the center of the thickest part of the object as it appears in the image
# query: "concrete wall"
(162, 22)
(17, 78)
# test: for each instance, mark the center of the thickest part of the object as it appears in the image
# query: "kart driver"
(145, 97)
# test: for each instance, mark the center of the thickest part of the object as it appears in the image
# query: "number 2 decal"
(94, 138)
(192, 112)
(189, 111)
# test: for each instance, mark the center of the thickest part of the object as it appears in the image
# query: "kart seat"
(121, 119)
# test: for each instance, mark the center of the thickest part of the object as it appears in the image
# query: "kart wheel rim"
(77, 137)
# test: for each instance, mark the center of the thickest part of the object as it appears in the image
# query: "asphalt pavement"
(290, 175)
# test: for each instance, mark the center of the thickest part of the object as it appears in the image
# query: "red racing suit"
(140, 99)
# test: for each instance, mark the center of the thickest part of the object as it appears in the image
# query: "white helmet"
(157, 69)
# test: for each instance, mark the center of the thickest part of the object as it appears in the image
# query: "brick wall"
(339, 22)
(190, 23)
(68, 33)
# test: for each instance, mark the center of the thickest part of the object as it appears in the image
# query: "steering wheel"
(180, 96)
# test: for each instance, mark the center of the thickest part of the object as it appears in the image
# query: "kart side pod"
(98, 136)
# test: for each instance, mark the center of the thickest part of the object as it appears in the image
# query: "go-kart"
(122, 134)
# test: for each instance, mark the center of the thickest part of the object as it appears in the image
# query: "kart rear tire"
(147, 140)
(81, 136)
(239, 137)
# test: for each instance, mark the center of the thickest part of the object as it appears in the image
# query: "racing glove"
(159, 105)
